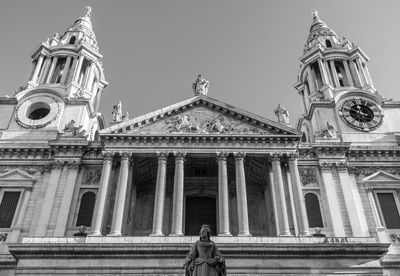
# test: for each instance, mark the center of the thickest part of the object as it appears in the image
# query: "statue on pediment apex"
(200, 86)
(282, 114)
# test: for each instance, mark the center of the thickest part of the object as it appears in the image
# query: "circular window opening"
(38, 111)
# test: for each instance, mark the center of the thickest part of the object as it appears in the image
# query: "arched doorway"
(200, 210)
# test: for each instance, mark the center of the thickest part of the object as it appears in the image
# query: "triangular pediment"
(16, 178)
(203, 116)
(381, 176)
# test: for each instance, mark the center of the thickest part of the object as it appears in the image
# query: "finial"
(315, 15)
(88, 11)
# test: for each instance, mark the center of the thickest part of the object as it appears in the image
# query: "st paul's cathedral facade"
(80, 196)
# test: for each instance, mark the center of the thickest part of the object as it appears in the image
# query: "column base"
(115, 234)
(225, 235)
(95, 234)
(176, 235)
(244, 235)
(285, 235)
(156, 235)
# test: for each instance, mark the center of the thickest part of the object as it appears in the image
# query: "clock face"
(361, 114)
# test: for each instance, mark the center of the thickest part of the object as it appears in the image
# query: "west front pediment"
(200, 116)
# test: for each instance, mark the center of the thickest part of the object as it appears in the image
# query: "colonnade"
(223, 202)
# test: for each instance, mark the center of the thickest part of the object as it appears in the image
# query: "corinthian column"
(301, 214)
(177, 207)
(283, 219)
(102, 195)
(223, 199)
(120, 197)
(160, 194)
(241, 195)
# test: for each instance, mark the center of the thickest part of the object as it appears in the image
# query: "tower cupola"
(330, 65)
(70, 64)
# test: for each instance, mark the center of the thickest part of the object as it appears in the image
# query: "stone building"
(79, 196)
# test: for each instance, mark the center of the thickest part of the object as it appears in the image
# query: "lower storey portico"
(174, 193)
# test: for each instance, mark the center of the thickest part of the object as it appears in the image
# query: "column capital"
(325, 166)
(180, 155)
(276, 156)
(221, 156)
(107, 156)
(126, 156)
(239, 155)
(293, 156)
(342, 167)
(162, 155)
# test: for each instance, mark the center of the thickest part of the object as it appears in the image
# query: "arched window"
(304, 137)
(328, 43)
(86, 209)
(313, 210)
(72, 40)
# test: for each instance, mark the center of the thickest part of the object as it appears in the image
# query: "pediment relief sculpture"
(201, 121)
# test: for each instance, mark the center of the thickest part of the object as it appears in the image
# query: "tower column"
(355, 74)
(102, 195)
(51, 71)
(278, 182)
(311, 80)
(301, 213)
(362, 72)
(45, 70)
(177, 207)
(334, 73)
(241, 195)
(348, 74)
(120, 197)
(326, 65)
(37, 69)
(66, 72)
(223, 198)
(324, 75)
(78, 69)
(160, 194)
(368, 76)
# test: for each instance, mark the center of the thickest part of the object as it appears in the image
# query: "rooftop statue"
(204, 258)
(117, 112)
(282, 114)
(200, 86)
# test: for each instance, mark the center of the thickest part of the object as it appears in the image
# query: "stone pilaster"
(102, 195)
(332, 200)
(62, 217)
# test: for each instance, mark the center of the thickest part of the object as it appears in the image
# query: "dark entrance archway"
(200, 210)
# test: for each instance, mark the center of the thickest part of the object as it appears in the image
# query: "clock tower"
(63, 91)
(340, 102)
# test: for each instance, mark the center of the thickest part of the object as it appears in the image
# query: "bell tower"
(340, 102)
(65, 85)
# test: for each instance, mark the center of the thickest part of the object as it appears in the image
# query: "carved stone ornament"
(3, 237)
(117, 112)
(370, 170)
(395, 237)
(329, 132)
(29, 170)
(71, 129)
(92, 176)
(307, 177)
(204, 122)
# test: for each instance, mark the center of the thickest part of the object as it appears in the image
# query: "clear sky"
(248, 50)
